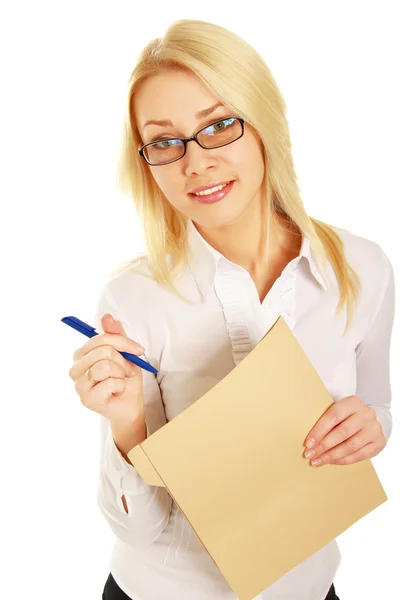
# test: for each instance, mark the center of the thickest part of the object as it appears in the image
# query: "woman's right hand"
(118, 393)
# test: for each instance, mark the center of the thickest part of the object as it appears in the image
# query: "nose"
(198, 159)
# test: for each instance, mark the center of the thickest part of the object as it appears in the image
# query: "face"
(178, 96)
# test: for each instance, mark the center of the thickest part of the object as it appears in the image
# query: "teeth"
(211, 190)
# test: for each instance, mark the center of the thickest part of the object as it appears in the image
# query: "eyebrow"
(198, 115)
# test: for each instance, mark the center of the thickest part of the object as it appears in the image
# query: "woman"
(204, 111)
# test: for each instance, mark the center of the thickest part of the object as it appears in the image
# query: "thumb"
(110, 325)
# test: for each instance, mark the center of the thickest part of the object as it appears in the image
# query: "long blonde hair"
(238, 76)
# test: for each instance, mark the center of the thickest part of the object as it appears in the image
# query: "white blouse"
(157, 554)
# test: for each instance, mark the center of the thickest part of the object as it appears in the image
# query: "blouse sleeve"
(149, 507)
(373, 355)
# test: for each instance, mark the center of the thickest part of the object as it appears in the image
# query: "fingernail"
(316, 462)
(309, 453)
(310, 443)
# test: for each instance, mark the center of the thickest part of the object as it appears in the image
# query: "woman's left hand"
(348, 432)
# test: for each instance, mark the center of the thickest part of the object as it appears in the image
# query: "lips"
(202, 188)
(213, 197)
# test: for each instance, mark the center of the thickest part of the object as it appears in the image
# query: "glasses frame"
(189, 139)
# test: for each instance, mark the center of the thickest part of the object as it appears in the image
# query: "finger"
(342, 432)
(102, 369)
(368, 451)
(111, 325)
(101, 393)
(350, 446)
(335, 414)
(119, 342)
(101, 353)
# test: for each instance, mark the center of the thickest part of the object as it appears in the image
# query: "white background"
(65, 67)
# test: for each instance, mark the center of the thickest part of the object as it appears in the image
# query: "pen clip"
(78, 325)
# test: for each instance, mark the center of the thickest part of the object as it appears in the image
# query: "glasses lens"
(164, 151)
(220, 133)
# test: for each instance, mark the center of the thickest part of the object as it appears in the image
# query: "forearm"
(136, 512)
(128, 435)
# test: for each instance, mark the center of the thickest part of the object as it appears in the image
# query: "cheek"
(165, 181)
(171, 185)
(249, 166)
(247, 157)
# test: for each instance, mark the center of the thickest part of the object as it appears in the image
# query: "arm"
(136, 512)
(373, 355)
(125, 439)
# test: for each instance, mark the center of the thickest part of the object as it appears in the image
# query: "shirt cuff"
(383, 416)
(124, 477)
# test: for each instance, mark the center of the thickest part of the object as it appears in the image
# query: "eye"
(166, 143)
(219, 126)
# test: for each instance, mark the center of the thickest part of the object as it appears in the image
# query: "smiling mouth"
(210, 197)
(210, 191)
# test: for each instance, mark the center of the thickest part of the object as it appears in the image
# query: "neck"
(244, 241)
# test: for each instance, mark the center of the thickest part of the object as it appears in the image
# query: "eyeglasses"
(217, 134)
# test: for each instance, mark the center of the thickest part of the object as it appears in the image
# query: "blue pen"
(90, 332)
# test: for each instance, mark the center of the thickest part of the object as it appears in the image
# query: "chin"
(217, 217)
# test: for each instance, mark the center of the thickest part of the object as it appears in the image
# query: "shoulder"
(143, 305)
(366, 256)
(132, 287)
(374, 269)
(128, 294)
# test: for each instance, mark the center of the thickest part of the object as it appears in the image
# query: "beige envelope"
(233, 462)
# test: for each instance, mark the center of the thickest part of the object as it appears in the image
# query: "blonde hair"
(238, 76)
